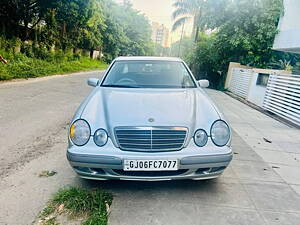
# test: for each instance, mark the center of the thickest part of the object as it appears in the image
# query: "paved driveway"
(259, 187)
(249, 192)
(276, 143)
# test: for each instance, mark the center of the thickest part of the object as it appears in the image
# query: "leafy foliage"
(244, 32)
(21, 66)
(13, 13)
(182, 48)
(128, 32)
(70, 25)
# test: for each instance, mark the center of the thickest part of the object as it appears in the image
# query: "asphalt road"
(33, 112)
(34, 117)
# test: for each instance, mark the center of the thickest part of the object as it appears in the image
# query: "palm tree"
(206, 14)
(282, 64)
(188, 10)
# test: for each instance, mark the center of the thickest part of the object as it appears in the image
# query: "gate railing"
(283, 96)
(240, 81)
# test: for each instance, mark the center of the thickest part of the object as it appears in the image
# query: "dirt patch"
(38, 146)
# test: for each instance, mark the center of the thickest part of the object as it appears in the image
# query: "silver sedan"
(148, 119)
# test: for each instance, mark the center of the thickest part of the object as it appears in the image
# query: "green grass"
(90, 204)
(21, 66)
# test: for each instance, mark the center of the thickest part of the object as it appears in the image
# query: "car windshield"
(148, 74)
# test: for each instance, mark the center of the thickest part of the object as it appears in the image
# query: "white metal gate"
(283, 96)
(240, 81)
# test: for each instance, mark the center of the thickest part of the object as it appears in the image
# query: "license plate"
(150, 165)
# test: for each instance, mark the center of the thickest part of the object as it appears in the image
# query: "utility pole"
(181, 38)
(170, 50)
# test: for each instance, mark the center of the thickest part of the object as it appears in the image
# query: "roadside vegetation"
(90, 207)
(40, 37)
(21, 66)
(231, 31)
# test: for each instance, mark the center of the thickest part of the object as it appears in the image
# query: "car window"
(149, 74)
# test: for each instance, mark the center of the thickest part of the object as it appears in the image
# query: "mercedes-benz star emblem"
(151, 120)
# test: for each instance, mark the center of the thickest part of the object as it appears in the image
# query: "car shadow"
(117, 186)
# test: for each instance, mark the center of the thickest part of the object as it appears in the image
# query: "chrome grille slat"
(162, 139)
(149, 143)
(134, 137)
(150, 139)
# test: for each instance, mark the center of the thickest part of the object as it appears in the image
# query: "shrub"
(21, 66)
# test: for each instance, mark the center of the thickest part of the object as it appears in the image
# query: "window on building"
(262, 79)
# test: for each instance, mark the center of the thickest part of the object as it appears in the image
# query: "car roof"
(146, 58)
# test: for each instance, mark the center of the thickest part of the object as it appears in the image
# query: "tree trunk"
(64, 29)
(196, 25)
(197, 34)
(3, 28)
(17, 32)
(26, 30)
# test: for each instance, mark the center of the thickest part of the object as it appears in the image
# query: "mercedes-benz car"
(147, 118)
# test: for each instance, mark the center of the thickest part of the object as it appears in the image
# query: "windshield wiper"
(119, 86)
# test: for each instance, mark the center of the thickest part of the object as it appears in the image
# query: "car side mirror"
(93, 82)
(203, 83)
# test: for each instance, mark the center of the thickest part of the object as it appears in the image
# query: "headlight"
(200, 138)
(80, 132)
(220, 133)
(100, 137)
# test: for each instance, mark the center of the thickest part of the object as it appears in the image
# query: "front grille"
(151, 139)
(150, 173)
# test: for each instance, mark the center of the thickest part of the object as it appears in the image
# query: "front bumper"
(104, 167)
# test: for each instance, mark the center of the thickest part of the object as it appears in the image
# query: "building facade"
(160, 35)
(288, 38)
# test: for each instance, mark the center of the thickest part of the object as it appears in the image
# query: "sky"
(159, 11)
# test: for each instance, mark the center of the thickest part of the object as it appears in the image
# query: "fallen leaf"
(47, 173)
(275, 167)
(267, 140)
(107, 207)
(60, 208)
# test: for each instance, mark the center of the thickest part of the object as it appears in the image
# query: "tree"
(159, 50)
(72, 15)
(206, 14)
(249, 35)
(204, 60)
(245, 33)
(50, 35)
(70, 24)
(8, 18)
(186, 46)
(130, 31)
(92, 35)
(28, 13)
(188, 10)
(114, 39)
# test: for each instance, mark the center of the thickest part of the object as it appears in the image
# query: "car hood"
(112, 107)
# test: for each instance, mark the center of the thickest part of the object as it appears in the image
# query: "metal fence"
(283, 96)
(240, 81)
